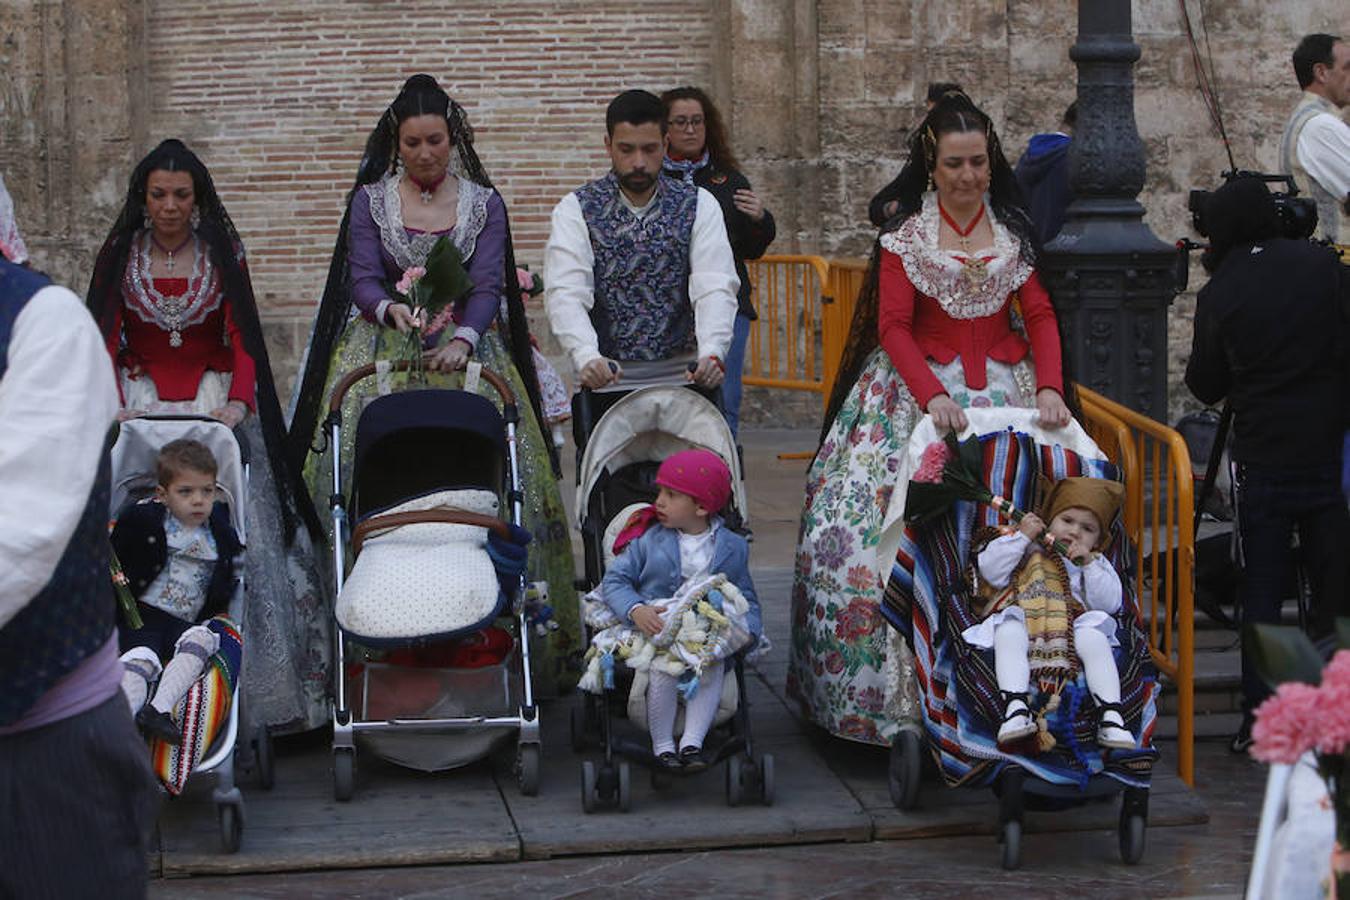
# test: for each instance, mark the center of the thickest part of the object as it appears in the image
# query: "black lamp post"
(1111, 277)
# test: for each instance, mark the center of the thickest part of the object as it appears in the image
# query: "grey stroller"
(133, 478)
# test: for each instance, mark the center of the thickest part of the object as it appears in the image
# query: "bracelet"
(717, 362)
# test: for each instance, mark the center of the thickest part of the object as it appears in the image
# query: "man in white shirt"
(1315, 147)
(641, 284)
(78, 793)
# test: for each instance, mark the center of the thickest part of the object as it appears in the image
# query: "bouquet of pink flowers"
(430, 289)
(1309, 711)
(951, 470)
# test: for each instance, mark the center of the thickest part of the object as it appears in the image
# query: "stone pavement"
(831, 795)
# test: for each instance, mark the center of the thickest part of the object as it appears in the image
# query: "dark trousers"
(1271, 504)
(79, 801)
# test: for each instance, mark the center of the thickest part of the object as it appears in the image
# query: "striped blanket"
(204, 713)
(928, 599)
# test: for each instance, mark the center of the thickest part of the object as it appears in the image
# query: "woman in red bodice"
(172, 294)
(952, 316)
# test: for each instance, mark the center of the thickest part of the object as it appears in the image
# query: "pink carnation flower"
(1286, 724)
(1333, 725)
(930, 464)
(410, 277)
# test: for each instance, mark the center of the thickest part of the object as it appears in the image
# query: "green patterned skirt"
(557, 667)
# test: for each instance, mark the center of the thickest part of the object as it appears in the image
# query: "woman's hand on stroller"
(1053, 412)
(231, 414)
(450, 358)
(947, 414)
(646, 618)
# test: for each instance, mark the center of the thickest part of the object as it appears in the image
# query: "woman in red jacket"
(936, 331)
(172, 295)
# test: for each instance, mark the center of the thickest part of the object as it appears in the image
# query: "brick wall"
(279, 97)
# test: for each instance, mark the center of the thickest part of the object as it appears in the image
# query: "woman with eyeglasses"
(697, 152)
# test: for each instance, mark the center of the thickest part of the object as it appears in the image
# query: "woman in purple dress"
(419, 180)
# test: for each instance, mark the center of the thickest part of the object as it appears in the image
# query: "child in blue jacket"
(678, 539)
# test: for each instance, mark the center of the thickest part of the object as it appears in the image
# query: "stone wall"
(279, 97)
(873, 60)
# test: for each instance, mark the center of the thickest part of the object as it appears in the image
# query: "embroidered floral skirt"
(288, 645)
(850, 672)
(550, 552)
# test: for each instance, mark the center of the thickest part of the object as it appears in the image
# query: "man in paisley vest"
(641, 283)
(78, 794)
(1315, 146)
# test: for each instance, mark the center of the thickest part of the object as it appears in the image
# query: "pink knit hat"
(699, 473)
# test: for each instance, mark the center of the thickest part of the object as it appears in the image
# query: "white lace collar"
(386, 208)
(962, 292)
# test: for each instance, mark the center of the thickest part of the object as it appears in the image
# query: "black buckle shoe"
(159, 725)
(668, 760)
(691, 758)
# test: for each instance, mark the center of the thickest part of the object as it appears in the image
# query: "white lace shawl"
(941, 275)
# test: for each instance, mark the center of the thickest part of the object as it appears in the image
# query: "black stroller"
(614, 477)
(429, 471)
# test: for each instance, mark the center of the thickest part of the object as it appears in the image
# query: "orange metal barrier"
(846, 281)
(785, 349)
(805, 306)
(1159, 518)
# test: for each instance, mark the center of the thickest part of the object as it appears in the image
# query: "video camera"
(1298, 216)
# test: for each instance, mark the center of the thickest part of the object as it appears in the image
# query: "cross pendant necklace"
(168, 253)
(962, 234)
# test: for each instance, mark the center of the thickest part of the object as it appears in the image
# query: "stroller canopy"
(412, 442)
(650, 424)
(138, 441)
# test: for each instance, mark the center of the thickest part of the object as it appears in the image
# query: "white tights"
(140, 666)
(1094, 650)
(663, 698)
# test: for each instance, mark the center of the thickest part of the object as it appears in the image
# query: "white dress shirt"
(57, 401)
(569, 278)
(1324, 152)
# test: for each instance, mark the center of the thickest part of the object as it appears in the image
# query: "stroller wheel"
(263, 759)
(625, 786)
(1011, 839)
(344, 773)
(527, 769)
(588, 786)
(1132, 837)
(231, 827)
(905, 770)
(735, 780)
(766, 779)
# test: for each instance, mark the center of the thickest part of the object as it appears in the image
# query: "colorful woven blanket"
(928, 600)
(204, 713)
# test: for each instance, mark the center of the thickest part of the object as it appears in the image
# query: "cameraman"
(1271, 336)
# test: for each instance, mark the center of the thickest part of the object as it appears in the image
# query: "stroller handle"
(361, 372)
(450, 516)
